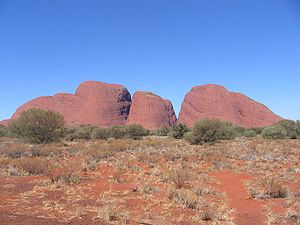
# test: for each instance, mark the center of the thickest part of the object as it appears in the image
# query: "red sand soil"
(248, 211)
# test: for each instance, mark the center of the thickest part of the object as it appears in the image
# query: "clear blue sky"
(163, 46)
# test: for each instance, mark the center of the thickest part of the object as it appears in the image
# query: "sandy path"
(248, 211)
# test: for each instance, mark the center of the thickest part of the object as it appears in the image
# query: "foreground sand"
(152, 181)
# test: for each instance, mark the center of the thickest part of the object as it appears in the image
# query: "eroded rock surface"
(216, 102)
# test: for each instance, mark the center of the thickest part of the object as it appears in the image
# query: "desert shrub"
(39, 126)
(258, 130)
(100, 133)
(249, 133)
(135, 131)
(205, 131)
(229, 131)
(274, 132)
(291, 127)
(35, 166)
(82, 132)
(184, 197)
(4, 131)
(117, 132)
(178, 131)
(268, 187)
(180, 177)
(163, 131)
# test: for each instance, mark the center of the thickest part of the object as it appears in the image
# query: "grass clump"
(268, 187)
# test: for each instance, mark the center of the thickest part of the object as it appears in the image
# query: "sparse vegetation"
(39, 126)
(209, 131)
(135, 131)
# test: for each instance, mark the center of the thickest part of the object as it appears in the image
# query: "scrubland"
(155, 180)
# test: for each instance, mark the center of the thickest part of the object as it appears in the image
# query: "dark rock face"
(151, 111)
(93, 103)
(216, 102)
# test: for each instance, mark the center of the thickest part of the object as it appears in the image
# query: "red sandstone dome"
(216, 102)
(151, 111)
(93, 103)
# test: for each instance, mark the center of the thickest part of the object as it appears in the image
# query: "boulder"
(151, 111)
(216, 102)
(94, 103)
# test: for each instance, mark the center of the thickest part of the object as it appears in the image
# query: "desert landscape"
(149, 112)
(100, 157)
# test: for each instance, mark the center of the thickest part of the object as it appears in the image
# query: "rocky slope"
(214, 101)
(93, 103)
(102, 104)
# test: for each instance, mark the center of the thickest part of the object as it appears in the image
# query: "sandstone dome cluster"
(102, 104)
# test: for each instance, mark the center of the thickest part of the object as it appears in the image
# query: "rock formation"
(94, 103)
(216, 102)
(151, 111)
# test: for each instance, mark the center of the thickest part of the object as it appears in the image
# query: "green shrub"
(117, 132)
(205, 131)
(178, 131)
(135, 131)
(82, 132)
(274, 132)
(4, 132)
(249, 133)
(258, 130)
(163, 131)
(100, 133)
(39, 126)
(229, 131)
(291, 127)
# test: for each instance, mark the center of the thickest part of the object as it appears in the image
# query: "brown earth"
(151, 111)
(248, 211)
(137, 182)
(216, 102)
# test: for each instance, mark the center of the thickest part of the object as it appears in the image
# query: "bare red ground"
(248, 211)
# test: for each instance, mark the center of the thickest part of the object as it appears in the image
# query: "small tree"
(39, 126)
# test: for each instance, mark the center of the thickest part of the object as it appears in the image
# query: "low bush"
(274, 132)
(178, 131)
(35, 166)
(82, 132)
(184, 197)
(291, 127)
(249, 133)
(209, 131)
(39, 126)
(163, 131)
(135, 131)
(100, 133)
(229, 131)
(268, 187)
(117, 132)
(4, 132)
